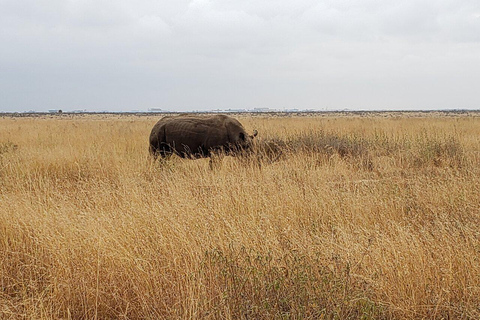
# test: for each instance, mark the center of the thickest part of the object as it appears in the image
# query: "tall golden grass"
(360, 217)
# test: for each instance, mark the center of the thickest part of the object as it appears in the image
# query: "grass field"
(358, 217)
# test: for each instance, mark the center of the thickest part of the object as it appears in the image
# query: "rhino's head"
(245, 141)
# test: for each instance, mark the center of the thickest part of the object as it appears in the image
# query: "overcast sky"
(180, 55)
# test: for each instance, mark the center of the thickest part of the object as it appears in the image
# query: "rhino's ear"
(255, 132)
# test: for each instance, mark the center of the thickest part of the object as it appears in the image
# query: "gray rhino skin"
(193, 137)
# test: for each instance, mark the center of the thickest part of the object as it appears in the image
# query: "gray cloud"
(122, 55)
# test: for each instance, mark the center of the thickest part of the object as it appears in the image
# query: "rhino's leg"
(162, 152)
(215, 160)
(153, 153)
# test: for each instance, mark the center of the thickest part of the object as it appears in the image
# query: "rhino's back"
(195, 133)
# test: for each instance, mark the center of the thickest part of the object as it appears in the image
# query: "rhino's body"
(194, 137)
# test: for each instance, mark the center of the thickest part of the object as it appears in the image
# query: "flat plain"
(372, 216)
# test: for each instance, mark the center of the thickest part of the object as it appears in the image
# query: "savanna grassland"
(347, 217)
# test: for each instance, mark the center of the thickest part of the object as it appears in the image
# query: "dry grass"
(358, 218)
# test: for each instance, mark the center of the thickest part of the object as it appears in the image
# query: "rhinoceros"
(193, 137)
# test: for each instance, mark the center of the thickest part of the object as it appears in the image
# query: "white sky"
(180, 55)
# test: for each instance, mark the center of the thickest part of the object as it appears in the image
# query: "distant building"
(262, 110)
(236, 110)
(156, 110)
